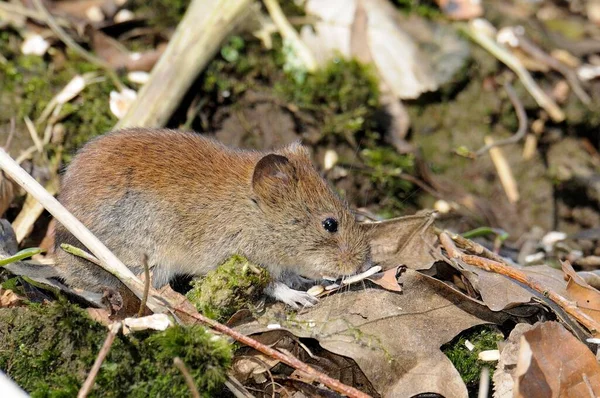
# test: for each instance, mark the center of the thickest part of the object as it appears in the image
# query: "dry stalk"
(69, 42)
(89, 381)
(146, 286)
(479, 35)
(501, 268)
(189, 380)
(197, 38)
(521, 116)
(504, 171)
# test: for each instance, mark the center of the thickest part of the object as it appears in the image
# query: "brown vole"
(189, 202)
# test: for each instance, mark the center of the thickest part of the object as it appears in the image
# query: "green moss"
(30, 82)
(424, 8)
(465, 361)
(344, 94)
(49, 349)
(161, 13)
(385, 167)
(229, 288)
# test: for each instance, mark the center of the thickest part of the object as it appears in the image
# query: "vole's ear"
(273, 175)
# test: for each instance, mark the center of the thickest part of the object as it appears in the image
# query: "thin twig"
(14, 8)
(89, 381)
(295, 363)
(34, 135)
(479, 35)
(11, 133)
(287, 359)
(521, 116)
(498, 267)
(69, 42)
(146, 286)
(189, 380)
(518, 39)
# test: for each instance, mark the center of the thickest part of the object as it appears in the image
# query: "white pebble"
(330, 160)
(489, 355)
(120, 102)
(35, 45)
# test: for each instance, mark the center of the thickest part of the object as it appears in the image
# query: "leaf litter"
(382, 334)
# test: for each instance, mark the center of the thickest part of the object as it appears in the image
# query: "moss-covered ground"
(49, 349)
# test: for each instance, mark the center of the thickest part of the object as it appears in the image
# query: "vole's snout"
(353, 260)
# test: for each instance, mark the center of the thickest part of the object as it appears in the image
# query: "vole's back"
(153, 192)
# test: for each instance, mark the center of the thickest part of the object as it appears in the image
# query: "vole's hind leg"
(294, 298)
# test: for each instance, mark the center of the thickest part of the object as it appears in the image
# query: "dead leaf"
(398, 59)
(394, 338)
(113, 52)
(403, 241)
(388, 279)
(548, 368)
(461, 9)
(586, 297)
(100, 315)
(7, 193)
(509, 353)
(499, 292)
(9, 299)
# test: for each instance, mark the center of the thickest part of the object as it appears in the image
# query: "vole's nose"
(366, 265)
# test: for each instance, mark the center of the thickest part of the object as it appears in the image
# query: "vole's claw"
(294, 298)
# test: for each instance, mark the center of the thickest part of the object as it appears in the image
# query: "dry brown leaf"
(461, 9)
(119, 57)
(398, 59)
(403, 241)
(387, 280)
(9, 299)
(509, 353)
(586, 297)
(7, 193)
(100, 315)
(553, 363)
(499, 292)
(394, 338)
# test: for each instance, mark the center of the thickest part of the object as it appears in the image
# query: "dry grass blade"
(521, 116)
(89, 381)
(505, 174)
(189, 380)
(478, 33)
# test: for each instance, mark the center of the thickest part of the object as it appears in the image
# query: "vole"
(189, 202)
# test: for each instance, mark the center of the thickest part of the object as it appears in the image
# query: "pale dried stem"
(69, 42)
(197, 38)
(89, 381)
(189, 380)
(289, 34)
(503, 55)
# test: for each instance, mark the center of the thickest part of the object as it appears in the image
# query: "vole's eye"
(330, 224)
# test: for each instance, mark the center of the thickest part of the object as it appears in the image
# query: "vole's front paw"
(294, 298)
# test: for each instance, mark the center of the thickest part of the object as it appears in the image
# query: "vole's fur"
(189, 202)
